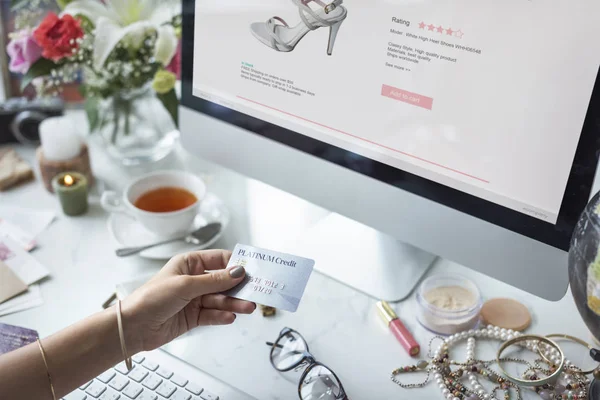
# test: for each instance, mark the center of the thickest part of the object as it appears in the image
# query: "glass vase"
(135, 127)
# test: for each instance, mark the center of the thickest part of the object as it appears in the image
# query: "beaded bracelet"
(571, 384)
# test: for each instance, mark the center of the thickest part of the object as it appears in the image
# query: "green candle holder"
(72, 191)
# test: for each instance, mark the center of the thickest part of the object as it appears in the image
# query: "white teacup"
(160, 223)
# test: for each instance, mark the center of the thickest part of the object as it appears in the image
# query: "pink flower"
(23, 51)
(175, 66)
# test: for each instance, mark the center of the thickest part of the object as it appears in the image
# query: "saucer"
(130, 233)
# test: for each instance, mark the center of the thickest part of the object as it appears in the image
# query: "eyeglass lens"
(320, 384)
(288, 351)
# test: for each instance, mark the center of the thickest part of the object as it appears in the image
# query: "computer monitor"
(464, 129)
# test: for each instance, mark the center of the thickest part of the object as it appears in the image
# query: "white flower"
(116, 19)
(127, 70)
(166, 45)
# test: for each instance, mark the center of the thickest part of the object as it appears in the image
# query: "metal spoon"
(198, 237)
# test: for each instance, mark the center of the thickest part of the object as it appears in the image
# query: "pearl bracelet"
(569, 383)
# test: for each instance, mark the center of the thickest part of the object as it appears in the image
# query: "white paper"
(31, 295)
(27, 268)
(32, 298)
(24, 225)
(25, 239)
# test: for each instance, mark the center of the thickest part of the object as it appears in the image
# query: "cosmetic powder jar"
(448, 304)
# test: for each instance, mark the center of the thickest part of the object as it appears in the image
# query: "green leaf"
(91, 110)
(42, 67)
(17, 3)
(63, 3)
(83, 91)
(171, 103)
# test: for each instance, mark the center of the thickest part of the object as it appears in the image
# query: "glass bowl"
(452, 318)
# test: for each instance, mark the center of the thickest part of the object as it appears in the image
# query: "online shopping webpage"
(485, 96)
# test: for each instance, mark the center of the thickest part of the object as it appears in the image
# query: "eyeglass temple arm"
(292, 352)
(271, 344)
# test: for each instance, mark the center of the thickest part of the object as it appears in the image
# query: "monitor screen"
(488, 98)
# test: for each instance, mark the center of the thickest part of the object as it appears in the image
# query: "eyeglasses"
(318, 382)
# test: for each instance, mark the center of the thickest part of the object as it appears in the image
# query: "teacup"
(165, 224)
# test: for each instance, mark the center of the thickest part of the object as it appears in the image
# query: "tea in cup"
(165, 203)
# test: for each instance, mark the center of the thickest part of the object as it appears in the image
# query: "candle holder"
(72, 191)
(49, 169)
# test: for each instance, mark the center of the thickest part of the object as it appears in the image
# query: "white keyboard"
(156, 376)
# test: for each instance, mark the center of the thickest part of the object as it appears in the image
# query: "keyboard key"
(132, 390)
(122, 368)
(208, 396)
(152, 381)
(165, 373)
(193, 388)
(138, 358)
(110, 395)
(138, 374)
(152, 366)
(106, 376)
(95, 389)
(119, 382)
(166, 389)
(85, 385)
(146, 395)
(181, 395)
(179, 380)
(76, 395)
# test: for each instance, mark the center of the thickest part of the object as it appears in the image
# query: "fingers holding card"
(272, 278)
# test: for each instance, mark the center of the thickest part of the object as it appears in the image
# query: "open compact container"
(448, 304)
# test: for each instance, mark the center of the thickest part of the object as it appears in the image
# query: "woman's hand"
(182, 297)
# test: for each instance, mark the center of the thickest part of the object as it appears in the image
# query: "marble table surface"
(340, 324)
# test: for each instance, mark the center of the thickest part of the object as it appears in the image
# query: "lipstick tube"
(398, 329)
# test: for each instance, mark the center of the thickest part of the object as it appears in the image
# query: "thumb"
(219, 281)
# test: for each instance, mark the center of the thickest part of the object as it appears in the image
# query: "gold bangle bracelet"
(529, 383)
(47, 369)
(128, 362)
(572, 339)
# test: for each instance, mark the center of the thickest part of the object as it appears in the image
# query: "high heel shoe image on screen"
(278, 35)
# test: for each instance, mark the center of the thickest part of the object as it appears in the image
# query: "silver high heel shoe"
(278, 35)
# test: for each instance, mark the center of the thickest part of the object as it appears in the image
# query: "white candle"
(60, 141)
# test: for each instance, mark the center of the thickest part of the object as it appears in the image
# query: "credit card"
(272, 278)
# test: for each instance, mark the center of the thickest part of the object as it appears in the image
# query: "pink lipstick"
(398, 329)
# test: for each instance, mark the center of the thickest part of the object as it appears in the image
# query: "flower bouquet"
(122, 51)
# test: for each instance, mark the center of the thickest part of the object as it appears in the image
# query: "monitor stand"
(364, 258)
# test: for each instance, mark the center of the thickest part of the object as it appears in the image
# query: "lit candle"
(72, 191)
(60, 141)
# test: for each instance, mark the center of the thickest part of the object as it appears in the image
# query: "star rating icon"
(441, 30)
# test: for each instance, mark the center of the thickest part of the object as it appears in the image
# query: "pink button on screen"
(405, 96)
